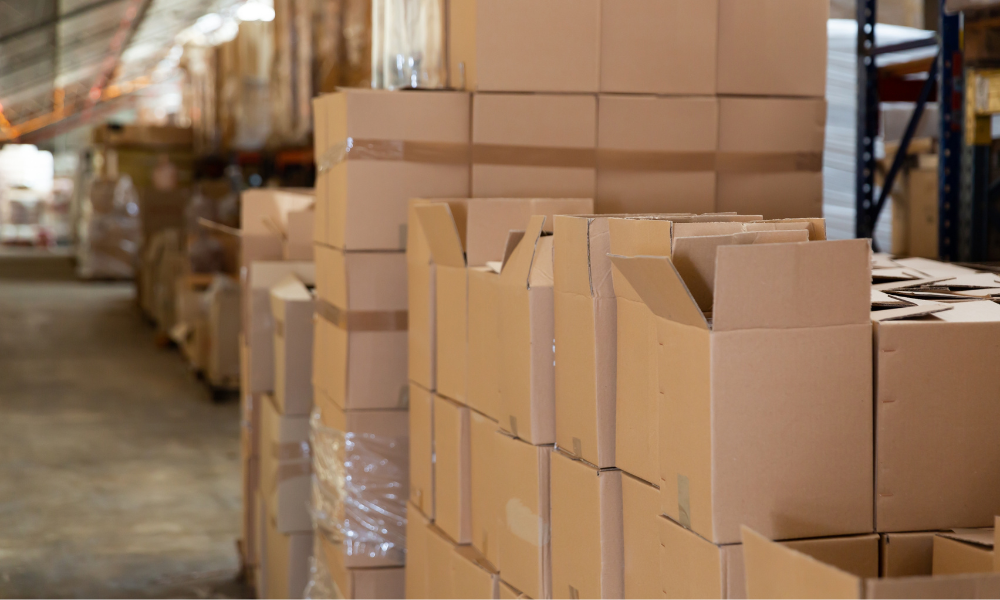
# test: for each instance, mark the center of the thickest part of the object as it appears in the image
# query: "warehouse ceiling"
(59, 57)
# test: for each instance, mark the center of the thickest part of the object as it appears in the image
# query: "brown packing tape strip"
(769, 162)
(555, 156)
(639, 160)
(533, 156)
(291, 451)
(363, 320)
(293, 470)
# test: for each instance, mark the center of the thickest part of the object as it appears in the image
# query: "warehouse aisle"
(118, 476)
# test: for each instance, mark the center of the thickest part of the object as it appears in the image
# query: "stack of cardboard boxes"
(275, 347)
(646, 106)
(375, 151)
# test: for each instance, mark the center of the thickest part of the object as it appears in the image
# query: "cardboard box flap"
(491, 218)
(513, 239)
(984, 537)
(976, 311)
(572, 270)
(291, 289)
(933, 268)
(694, 257)
(913, 309)
(895, 274)
(815, 225)
(661, 287)
(417, 249)
(518, 266)
(881, 260)
(814, 284)
(441, 234)
(641, 237)
(895, 286)
(975, 281)
(883, 300)
(265, 212)
(777, 571)
(542, 264)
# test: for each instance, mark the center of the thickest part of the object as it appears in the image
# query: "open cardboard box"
(627, 412)
(292, 307)
(258, 326)
(964, 551)
(925, 352)
(693, 567)
(777, 571)
(766, 381)
(460, 240)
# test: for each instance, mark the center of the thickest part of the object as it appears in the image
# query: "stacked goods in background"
(109, 231)
(707, 118)
(254, 91)
(274, 317)
(375, 151)
(142, 186)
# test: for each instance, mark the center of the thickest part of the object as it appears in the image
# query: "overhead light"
(208, 23)
(254, 10)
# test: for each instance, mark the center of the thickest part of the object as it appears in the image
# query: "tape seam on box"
(363, 320)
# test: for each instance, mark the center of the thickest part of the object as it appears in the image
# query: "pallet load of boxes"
(576, 330)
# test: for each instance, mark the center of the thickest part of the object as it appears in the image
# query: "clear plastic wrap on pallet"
(358, 495)
(408, 44)
(321, 584)
(110, 231)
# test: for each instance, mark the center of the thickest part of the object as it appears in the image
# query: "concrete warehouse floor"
(118, 475)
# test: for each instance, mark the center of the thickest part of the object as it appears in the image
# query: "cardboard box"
(360, 330)
(377, 149)
(260, 581)
(285, 468)
(527, 337)
(286, 565)
(752, 429)
(906, 554)
(473, 236)
(483, 474)
(534, 145)
(292, 306)
(376, 480)
(770, 156)
(452, 464)
(640, 538)
(693, 567)
(264, 217)
(657, 47)
(525, 554)
(656, 154)
(585, 339)
(776, 571)
(963, 551)
(258, 327)
(772, 47)
(524, 45)
(422, 450)
(636, 398)
(421, 281)
(417, 558)
(298, 238)
(922, 443)
(483, 389)
(587, 547)
(381, 582)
